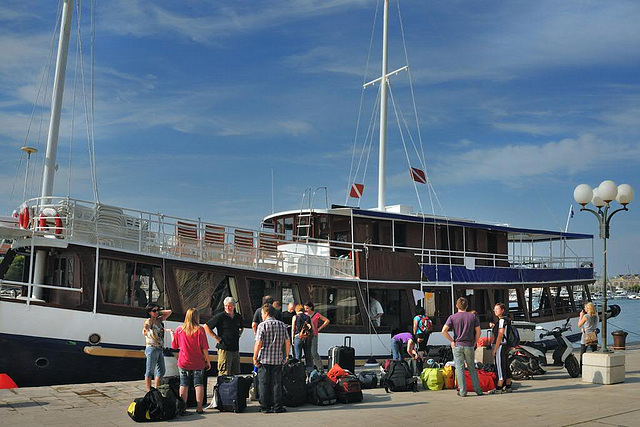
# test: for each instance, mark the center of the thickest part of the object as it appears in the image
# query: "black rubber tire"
(572, 365)
(516, 374)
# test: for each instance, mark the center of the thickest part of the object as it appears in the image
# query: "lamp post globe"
(608, 190)
(583, 194)
(625, 194)
(597, 200)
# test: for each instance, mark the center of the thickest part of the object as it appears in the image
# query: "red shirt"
(191, 355)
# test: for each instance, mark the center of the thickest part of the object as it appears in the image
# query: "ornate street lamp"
(601, 197)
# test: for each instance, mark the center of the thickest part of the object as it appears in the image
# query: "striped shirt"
(273, 334)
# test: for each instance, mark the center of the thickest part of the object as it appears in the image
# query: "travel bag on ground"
(231, 393)
(174, 383)
(432, 378)
(156, 405)
(416, 366)
(449, 376)
(368, 379)
(320, 391)
(398, 377)
(336, 372)
(294, 377)
(348, 389)
(343, 355)
(487, 380)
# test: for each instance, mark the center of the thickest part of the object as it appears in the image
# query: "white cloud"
(521, 162)
(223, 20)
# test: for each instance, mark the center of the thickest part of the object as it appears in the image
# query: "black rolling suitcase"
(343, 355)
(231, 393)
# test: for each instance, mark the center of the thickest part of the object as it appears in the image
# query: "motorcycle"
(563, 354)
(523, 364)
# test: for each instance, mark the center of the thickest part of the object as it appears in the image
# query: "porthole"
(94, 339)
(42, 362)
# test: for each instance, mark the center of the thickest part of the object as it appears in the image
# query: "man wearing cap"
(228, 325)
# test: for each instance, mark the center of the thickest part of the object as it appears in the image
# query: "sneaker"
(280, 410)
(266, 410)
(462, 395)
(496, 391)
(479, 393)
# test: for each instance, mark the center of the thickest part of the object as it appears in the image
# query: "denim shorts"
(195, 377)
(155, 362)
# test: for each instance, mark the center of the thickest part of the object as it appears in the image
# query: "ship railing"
(14, 290)
(156, 234)
(486, 259)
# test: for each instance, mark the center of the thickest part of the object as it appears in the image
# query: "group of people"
(274, 331)
(466, 328)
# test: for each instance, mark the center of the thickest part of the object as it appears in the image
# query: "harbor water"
(628, 320)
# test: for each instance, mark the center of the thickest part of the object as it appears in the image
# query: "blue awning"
(460, 274)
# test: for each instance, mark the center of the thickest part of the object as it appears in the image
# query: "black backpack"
(294, 378)
(399, 378)
(320, 391)
(513, 336)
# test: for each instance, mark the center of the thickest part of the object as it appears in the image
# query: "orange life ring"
(24, 217)
(48, 213)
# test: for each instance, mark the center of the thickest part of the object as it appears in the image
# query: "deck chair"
(268, 256)
(214, 246)
(243, 247)
(187, 239)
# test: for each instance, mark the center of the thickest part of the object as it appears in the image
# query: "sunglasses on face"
(155, 310)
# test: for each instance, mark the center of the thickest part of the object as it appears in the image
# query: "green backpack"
(432, 378)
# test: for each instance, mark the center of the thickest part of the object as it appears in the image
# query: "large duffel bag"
(398, 377)
(343, 355)
(432, 378)
(320, 391)
(231, 393)
(157, 405)
(348, 389)
(487, 380)
(368, 379)
(294, 379)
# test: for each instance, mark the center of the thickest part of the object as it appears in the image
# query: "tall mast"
(54, 130)
(56, 100)
(383, 113)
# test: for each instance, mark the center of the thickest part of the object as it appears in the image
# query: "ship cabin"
(438, 259)
(341, 258)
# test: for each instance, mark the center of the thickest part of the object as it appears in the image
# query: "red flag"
(418, 176)
(356, 191)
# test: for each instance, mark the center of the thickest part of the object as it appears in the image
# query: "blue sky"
(197, 102)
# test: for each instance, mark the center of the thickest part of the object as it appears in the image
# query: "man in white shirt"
(375, 311)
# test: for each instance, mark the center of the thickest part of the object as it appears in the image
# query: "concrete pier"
(553, 399)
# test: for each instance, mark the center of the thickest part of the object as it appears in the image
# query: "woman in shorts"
(193, 357)
(153, 331)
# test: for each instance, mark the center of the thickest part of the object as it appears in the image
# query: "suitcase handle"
(347, 339)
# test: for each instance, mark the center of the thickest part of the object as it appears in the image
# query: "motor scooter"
(563, 354)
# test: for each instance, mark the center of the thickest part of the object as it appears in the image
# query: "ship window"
(112, 275)
(339, 305)
(205, 290)
(280, 291)
(131, 283)
(392, 303)
(63, 271)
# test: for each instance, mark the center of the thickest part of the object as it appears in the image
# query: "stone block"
(603, 368)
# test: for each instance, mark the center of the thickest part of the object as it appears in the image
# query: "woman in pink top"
(193, 357)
